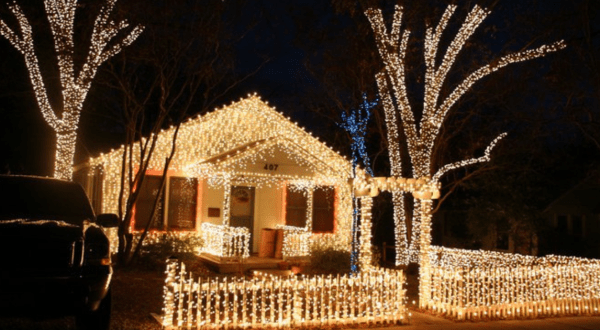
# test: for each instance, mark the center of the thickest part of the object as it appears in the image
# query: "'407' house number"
(271, 167)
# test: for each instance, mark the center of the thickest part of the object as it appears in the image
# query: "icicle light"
(232, 146)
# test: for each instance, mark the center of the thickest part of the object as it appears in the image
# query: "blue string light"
(355, 123)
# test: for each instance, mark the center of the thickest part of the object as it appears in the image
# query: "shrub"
(157, 247)
(329, 261)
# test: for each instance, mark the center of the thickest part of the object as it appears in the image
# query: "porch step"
(263, 273)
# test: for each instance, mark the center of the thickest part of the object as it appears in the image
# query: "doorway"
(241, 209)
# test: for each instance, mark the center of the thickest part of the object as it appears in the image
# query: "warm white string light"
(463, 163)
(365, 256)
(296, 241)
(466, 284)
(229, 147)
(225, 241)
(393, 137)
(374, 297)
(74, 85)
(420, 139)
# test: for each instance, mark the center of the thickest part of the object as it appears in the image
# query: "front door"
(242, 209)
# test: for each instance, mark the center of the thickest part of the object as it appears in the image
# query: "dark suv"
(55, 255)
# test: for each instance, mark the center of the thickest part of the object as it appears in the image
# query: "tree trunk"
(400, 232)
(426, 206)
(65, 151)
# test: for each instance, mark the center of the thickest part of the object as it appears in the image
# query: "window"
(562, 224)
(323, 201)
(322, 210)
(183, 194)
(576, 225)
(181, 211)
(502, 239)
(91, 180)
(96, 189)
(296, 203)
(143, 207)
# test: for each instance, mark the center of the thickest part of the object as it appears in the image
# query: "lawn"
(136, 294)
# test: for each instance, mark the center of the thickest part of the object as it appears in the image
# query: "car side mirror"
(107, 220)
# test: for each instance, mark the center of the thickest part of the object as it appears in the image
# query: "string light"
(485, 158)
(393, 137)
(74, 85)
(466, 284)
(225, 241)
(296, 241)
(420, 139)
(365, 254)
(230, 146)
(356, 125)
(374, 296)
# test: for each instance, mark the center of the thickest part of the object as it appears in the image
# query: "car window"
(33, 199)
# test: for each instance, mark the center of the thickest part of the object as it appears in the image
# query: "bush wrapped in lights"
(296, 241)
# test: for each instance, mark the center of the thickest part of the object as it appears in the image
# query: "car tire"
(98, 319)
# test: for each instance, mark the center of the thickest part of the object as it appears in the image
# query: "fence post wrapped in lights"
(371, 297)
(73, 85)
(421, 136)
(476, 285)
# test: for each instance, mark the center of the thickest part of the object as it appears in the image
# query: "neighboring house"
(452, 229)
(574, 219)
(244, 165)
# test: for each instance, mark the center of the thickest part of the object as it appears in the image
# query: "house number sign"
(271, 167)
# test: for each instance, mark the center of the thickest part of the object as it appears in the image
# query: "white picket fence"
(373, 297)
(479, 285)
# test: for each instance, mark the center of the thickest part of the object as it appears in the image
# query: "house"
(236, 171)
(452, 228)
(574, 220)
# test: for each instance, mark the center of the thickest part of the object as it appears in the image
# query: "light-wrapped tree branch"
(73, 85)
(421, 139)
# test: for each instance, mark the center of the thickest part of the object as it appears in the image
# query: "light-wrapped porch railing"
(479, 284)
(375, 296)
(296, 241)
(225, 241)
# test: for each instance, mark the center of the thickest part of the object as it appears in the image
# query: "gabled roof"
(265, 150)
(248, 123)
(581, 199)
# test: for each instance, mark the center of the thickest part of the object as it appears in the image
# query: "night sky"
(313, 59)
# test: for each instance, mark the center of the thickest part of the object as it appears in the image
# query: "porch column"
(365, 256)
(309, 208)
(424, 261)
(226, 200)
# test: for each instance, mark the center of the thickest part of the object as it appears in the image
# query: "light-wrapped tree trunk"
(421, 136)
(74, 85)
